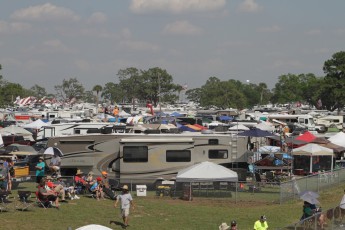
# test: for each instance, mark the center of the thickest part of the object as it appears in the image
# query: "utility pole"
(159, 98)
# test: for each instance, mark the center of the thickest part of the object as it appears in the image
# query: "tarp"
(269, 149)
(239, 127)
(206, 172)
(338, 139)
(200, 126)
(93, 227)
(194, 127)
(186, 128)
(176, 114)
(35, 125)
(255, 132)
(306, 136)
(225, 118)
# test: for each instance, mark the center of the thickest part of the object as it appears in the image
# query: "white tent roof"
(124, 114)
(1, 141)
(313, 150)
(35, 125)
(206, 171)
(239, 127)
(10, 130)
(338, 139)
(264, 126)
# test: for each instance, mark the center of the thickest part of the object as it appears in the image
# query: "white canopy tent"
(35, 125)
(313, 150)
(265, 126)
(206, 172)
(338, 139)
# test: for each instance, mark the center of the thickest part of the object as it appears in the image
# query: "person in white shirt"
(55, 164)
(126, 202)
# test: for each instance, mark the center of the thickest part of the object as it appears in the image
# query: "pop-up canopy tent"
(313, 157)
(338, 139)
(206, 172)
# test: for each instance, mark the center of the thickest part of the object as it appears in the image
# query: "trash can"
(141, 190)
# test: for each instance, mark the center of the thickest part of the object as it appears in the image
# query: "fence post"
(236, 192)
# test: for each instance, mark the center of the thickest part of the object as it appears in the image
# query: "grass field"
(163, 212)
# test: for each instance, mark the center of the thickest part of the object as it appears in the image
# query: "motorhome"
(302, 120)
(327, 121)
(146, 157)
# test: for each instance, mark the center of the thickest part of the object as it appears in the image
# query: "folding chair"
(4, 202)
(44, 203)
(24, 202)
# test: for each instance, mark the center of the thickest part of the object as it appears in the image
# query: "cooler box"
(141, 190)
(21, 171)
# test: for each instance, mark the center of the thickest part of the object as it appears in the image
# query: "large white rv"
(147, 156)
(304, 120)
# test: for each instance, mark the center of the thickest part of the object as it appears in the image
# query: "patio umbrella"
(255, 132)
(93, 227)
(309, 198)
(53, 151)
(309, 193)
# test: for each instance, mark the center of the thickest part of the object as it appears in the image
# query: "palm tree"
(98, 89)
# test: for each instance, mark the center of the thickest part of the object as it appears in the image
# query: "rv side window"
(178, 156)
(218, 154)
(77, 131)
(213, 142)
(301, 120)
(135, 154)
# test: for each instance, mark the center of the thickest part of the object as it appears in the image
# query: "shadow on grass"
(117, 223)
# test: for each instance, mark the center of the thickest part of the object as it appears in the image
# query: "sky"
(44, 42)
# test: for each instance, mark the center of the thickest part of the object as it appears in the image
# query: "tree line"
(156, 85)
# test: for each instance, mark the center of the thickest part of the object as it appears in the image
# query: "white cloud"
(274, 28)
(46, 11)
(139, 46)
(313, 32)
(82, 65)
(126, 33)
(249, 6)
(56, 46)
(97, 18)
(13, 27)
(176, 6)
(182, 28)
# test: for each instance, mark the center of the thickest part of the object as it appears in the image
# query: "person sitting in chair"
(54, 165)
(47, 195)
(96, 188)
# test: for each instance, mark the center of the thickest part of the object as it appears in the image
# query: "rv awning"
(157, 140)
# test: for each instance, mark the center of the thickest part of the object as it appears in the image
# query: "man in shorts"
(126, 202)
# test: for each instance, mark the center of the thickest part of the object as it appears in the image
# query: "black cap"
(233, 222)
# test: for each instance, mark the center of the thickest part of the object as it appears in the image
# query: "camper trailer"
(305, 121)
(146, 157)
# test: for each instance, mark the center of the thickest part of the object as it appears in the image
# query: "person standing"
(342, 207)
(126, 202)
(261, 224)
(40, 167)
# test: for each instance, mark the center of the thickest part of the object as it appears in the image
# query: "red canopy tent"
(306, 136)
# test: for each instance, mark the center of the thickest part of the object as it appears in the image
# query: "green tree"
(194, 95)
(89, 97)
(113, 92)
(38, 91)
(9, 93)
(69, 89)
(334, 69)
(97, 89)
